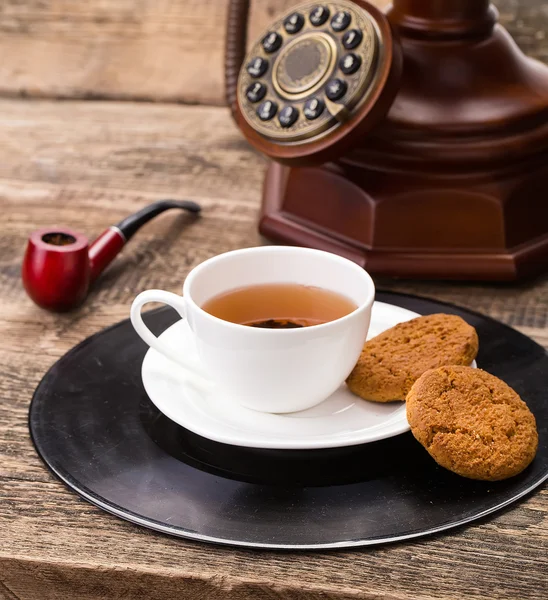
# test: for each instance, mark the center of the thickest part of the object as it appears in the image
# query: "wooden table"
(88, 165)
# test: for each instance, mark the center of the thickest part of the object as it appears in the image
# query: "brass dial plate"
(302, 67)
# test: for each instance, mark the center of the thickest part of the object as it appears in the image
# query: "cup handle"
(178, 303)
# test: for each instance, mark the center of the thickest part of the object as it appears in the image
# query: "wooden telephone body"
(432, 164)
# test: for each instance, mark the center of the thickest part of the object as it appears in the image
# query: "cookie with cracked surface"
(472, 423)
(391, 362)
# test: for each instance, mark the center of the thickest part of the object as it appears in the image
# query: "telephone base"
(491, 228)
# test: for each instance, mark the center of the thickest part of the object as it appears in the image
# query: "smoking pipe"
(60, 264)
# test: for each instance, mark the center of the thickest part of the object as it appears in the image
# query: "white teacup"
(268, 370)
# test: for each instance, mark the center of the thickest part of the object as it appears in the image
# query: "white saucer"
(341, 420)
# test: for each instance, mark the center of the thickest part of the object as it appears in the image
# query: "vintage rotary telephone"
(414, 142)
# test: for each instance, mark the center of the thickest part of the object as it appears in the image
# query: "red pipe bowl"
(56, 271)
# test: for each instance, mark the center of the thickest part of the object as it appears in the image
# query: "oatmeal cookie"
(391, 362)
(472, 423)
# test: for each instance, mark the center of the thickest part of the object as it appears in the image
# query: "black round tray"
(95, 428)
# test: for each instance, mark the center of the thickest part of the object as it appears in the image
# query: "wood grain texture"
(111, 160)
(167, 50)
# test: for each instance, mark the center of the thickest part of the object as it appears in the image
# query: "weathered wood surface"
(168, 50)
(88, 165)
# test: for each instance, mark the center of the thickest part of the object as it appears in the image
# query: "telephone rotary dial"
(315, 81)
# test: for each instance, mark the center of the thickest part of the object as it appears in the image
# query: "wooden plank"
(111, 160)
(150, 50)
(167, 50)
